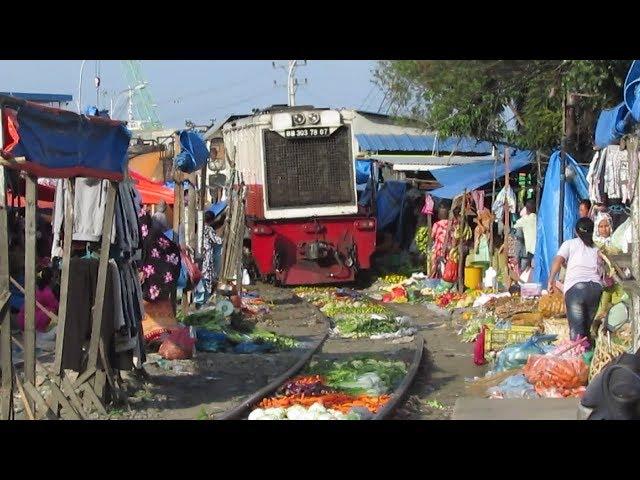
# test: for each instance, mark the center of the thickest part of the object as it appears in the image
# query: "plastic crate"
(498, 338)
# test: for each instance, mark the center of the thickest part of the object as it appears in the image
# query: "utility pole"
(292, 81)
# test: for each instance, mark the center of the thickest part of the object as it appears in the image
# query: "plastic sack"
(621, 237)
(517, 355)
(450, 272)
(515, 386)
(208, 341)
(559, 373)
(178, 345)
(478, 348)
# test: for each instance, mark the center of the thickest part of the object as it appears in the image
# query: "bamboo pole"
(507, 158)
(30, 283)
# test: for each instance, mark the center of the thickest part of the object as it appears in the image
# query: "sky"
(200, 90)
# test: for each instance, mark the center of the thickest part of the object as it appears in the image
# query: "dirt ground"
(446, 363)
(211, 383)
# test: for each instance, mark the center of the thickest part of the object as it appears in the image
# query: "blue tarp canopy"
(58, 143)
(389, 202)
(547, 241)
(457, 178)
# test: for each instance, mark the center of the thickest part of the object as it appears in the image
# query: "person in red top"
(439, 236)
(46, 297)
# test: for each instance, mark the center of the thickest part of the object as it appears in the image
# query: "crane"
(142, 107)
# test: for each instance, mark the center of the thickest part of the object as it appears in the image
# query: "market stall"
(87, 156)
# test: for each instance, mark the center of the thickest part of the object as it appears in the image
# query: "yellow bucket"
(472, 277)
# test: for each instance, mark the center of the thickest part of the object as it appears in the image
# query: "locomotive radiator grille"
(309, 172)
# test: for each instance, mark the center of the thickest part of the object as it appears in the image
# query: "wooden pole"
(461, 255)
(538, 181)
(30, 282)
(493, 198)
(97, 310)
(5, 335)
(507, 158)
(69, 200)
(69, 203)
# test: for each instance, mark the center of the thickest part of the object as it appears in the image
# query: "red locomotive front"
(298, 164)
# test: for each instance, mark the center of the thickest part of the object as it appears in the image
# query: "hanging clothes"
(506, 195)
(478, 199)
(90, 202)
(83, 276)
(614, 173)
(427, 209)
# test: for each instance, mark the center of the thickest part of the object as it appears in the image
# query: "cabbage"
(256, 414)
(296, 412)
(277, 413)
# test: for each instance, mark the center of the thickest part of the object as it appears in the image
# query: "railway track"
(333, 348)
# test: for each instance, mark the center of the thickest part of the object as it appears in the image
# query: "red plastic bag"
(450, 272)
(195, 275)
(478, 348)
(178, 345)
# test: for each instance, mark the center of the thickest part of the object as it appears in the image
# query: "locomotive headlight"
(313, 118)
(299, 119)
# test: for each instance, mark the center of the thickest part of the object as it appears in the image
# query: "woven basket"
(605, 352)
(557, 326)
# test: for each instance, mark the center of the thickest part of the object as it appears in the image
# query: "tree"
(473, 97)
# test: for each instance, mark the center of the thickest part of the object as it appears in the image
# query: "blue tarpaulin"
(632, 90)
(389, 202)
(193, 154)
(611, 125)
(547, 241)
(457, 178)
(58, 143)
(363, 171)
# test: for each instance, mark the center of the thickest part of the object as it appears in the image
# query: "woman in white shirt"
(582, 285)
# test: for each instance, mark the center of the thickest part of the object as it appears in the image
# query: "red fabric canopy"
(151, 191)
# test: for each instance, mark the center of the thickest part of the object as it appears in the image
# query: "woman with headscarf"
(602, 230)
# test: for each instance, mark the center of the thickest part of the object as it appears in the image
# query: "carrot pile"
(557, 376)
(337, 401)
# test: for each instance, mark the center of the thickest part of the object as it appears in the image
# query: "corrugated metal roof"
(428, 160)
(421, 143)
(40, 97)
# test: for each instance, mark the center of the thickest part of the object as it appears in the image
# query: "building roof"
(421, 143)
(217, 127)
(40, 97)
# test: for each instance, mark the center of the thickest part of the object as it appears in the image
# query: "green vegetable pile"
(344, 375)
(357, 325)
(333, 309)
(213, 321)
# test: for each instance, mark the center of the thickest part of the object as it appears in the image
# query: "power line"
(218, 88)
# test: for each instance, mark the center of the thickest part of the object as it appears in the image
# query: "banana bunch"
(422, 239)
(462, 232)
(394, 279)
(454, 255)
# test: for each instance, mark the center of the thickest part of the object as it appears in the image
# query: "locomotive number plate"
(312, 132)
